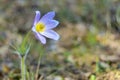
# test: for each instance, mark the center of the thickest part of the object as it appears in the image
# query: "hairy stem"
(23, 68)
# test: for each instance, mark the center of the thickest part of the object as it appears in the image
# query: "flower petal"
(37, 17)
(48, 16)
(50, 24)
(51, 34)
(33, 29)
(41, 38)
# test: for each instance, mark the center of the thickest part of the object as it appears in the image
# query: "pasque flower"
(42, 26)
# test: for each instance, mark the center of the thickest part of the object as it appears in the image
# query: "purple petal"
(48, 16)
(51, 34)
(40, 38)
(37, 17)
(50, 24)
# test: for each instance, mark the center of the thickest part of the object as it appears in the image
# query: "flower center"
(40, 27)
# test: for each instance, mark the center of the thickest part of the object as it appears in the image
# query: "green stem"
(38, 66)
(23, 68)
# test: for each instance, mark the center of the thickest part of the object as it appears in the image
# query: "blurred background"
(89, 43)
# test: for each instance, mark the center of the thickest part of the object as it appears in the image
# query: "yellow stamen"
(40, 27)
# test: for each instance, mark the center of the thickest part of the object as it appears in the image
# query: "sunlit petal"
(51, 24)
(41, 38)
(37, 17)
(47, 16)
(51, 34)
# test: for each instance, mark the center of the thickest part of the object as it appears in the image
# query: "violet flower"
(42, 27)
